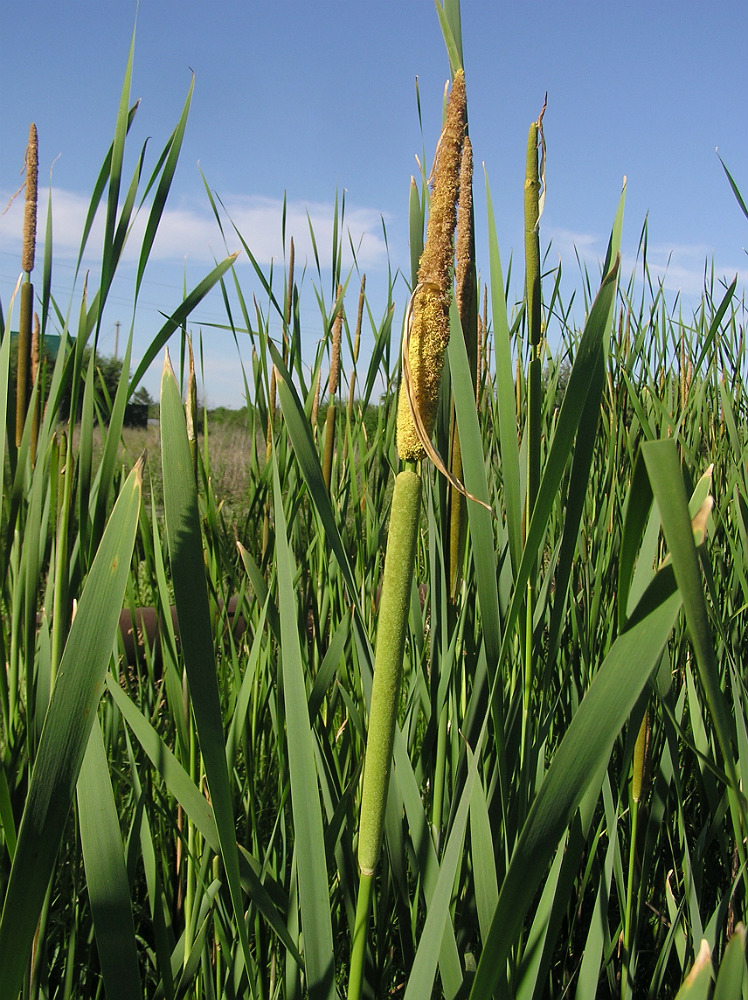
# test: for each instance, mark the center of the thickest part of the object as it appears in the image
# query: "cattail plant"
(334, 379)
(425, 340)
(23, 370)
(534, 197)
(36, 396)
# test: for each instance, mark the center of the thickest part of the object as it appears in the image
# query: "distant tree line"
(107, 372)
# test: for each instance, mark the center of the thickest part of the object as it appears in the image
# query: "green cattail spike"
(36, 387)
(534, 198)
(23, 362)
(385, 699)
(428, 332)
(32, 184)
(385, 694)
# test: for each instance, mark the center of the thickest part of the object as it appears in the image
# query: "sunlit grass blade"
(733, 974)
(169, 159)
(195, 805)
(311, 862)
(106, 876)
(596, 329)
(505, 394)
(420, 982)
(583, 750)
(178, 317)
(735, 189)
(65, 735)
(195, 627)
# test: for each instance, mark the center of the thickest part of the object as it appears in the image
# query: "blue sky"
(309, 99)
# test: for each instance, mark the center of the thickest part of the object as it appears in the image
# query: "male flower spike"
(429, 318)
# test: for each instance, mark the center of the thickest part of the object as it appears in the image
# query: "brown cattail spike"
(32, 184)
(429, 315)
(465, 254)
(337, 331)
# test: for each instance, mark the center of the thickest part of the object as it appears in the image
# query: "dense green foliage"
(565, 813)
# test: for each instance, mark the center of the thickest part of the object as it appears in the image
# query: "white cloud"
(681, 268)
(189, 230)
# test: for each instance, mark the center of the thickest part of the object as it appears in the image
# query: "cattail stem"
(23, 365)
(36, 388)
(360, 936)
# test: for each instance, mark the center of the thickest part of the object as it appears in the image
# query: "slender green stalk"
(23, 366)
(533, 430)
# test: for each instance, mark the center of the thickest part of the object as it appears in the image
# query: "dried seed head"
(427, 325)
(32, 183)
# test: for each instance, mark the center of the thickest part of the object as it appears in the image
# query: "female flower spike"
(428, 333)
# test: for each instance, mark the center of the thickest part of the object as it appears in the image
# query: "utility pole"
(116, 337)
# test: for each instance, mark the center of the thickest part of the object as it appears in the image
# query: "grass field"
(478, 725)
